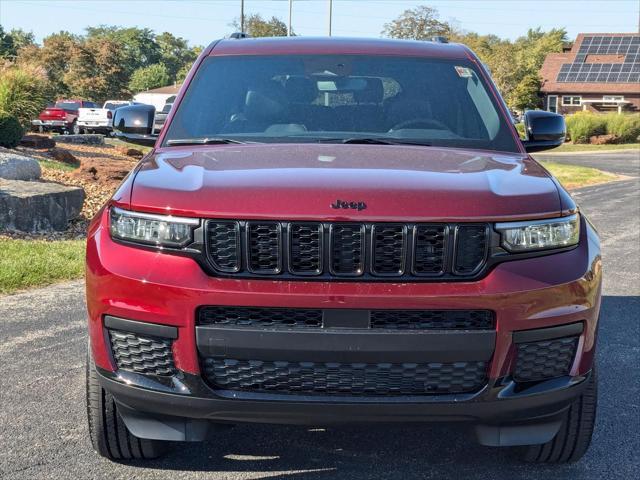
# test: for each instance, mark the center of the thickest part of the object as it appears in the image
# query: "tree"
(138, 44)
(525, 95)
(13, 41)
(420, 23)
(175, 53)
(256, 26)
(96, 70)
(147, 78)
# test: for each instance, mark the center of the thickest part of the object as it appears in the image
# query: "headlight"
(149, 229)
(540, 234)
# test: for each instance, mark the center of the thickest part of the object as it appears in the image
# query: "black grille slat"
(351, 379)
(429, 250)
(432, 319)
(142, 354)
(347, 249)
(260, 317)
(389, 249)
(264, 245)
(544, 359)
(471, 248)
(224, 245)
(326, 250)
(305, 248)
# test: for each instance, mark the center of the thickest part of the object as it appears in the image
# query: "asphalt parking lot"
(42, 417)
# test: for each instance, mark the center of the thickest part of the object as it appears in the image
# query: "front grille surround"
(364, 251)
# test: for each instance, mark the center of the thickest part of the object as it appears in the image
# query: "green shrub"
(582, 125)
(520, 130)
(23, 92)
(10, 131)
(625, 126)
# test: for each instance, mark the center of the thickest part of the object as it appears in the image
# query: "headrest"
(372, 93)
(265, 101)
(301, 90)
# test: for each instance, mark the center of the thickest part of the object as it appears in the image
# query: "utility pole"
(289, 25)
(242, 15)
(330, 14)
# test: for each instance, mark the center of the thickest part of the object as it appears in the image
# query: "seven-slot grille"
(326, 250)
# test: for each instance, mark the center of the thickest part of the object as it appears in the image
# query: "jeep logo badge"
(349, 205)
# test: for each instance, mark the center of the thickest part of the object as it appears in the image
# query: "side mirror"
(544, 130)
(135, 124)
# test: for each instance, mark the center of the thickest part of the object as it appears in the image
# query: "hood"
(383, 182)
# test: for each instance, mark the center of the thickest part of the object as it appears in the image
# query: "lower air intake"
(142, 354)
(359, 379)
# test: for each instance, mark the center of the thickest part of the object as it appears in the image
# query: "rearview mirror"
(135, 124)
(544, 130)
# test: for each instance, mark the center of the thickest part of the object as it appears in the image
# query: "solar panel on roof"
(579, 71)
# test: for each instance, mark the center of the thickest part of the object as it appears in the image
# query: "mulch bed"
(100, 172)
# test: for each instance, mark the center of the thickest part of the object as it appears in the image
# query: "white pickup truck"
(100, 119)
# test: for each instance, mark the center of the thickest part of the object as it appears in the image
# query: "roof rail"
(439, 39)
(238, 35)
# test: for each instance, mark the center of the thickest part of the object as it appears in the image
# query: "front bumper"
(148, 286)
(49, 123)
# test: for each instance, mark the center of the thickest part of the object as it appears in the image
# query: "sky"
(201, 21)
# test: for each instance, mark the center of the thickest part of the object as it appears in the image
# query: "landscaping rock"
(604, 139)
(39, 142)
(18, 167)
(62, 155)
(38, 206)
(90, 139)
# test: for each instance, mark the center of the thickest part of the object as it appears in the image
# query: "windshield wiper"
(374, 141)
(202, 141)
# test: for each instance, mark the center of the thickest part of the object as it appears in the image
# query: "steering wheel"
(420, 123)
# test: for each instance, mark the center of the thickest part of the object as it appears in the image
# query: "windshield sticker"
(464, 72)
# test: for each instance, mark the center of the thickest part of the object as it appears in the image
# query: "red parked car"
(332, 231)
(61, 117)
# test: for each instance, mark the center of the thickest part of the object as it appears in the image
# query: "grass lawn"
(574, 176)
(586, 147)
(116, 142)
(32, 263)
(54, 164)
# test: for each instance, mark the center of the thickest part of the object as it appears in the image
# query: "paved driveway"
(42, 420)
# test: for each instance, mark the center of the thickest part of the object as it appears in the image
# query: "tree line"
(107, 62)
(114, 62)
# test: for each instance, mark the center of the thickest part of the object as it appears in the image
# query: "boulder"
(18, 167)
(604, 139)
(62, 155)
(89, 139)
(39, 142)
(38, 206)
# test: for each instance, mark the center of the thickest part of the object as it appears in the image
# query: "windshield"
(329, 98)
(114, 105)
(68, 105)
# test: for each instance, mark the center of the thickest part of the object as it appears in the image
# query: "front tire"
(109, 435)
(574, 436)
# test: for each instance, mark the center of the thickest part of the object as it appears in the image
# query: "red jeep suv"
(341, 230)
